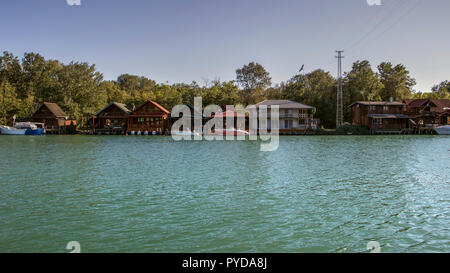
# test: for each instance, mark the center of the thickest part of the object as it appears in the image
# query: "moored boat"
(24, 128)
(443, 130)
(7, 130)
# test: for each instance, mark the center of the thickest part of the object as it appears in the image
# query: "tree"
(317, 89)
(113, 92)
(79, 92)
(441, 91)
(361, 84)
(254, 79)
(10, 105)
(396, 80)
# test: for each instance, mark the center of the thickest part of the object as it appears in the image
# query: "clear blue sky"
(185, 40)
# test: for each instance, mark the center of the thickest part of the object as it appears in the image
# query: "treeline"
(81, 91)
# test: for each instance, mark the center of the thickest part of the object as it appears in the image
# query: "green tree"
(79, 92)
(113, 92)
(441, 91)
(10, 105)
(317, 89)
(396, 81)
(254, 79)
(361, 84)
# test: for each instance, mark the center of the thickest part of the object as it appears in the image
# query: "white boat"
(6, 130)
(24, 128)
(443, 130)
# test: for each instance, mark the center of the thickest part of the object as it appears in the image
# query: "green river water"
(152, 194)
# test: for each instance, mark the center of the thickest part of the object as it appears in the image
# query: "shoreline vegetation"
(81, 91)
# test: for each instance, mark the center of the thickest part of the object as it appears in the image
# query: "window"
(303, 113)
(287, 124)
(146, 109)
(378, 122)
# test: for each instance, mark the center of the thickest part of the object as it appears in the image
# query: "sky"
(199, 40)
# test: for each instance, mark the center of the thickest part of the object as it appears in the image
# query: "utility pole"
(339, 105)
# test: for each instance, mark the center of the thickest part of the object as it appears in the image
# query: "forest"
(81, 90)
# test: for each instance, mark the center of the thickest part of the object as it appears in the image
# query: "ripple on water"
(151, 194)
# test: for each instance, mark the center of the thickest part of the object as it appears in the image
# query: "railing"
(390, 111)
(283, 115)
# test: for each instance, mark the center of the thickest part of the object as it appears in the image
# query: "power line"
(411, 9)
(377, 25)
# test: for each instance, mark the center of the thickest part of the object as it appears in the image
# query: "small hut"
(111, 119)
(53, 117)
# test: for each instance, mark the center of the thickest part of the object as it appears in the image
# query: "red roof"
(438, 103)
(441, 103)
(415, 102)
(155, 104)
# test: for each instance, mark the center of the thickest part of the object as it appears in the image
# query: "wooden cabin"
(149, 117)
(54, 118)
(111, 119)
(380, 116)
(428, 111)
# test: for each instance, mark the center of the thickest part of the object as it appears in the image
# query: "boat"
(24, 128)
(443, 130)
(7, 130)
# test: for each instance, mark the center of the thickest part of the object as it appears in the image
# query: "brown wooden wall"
(44, 115)
(359, 115)
(111, 116)
(147, 117)
(49, 122)
(360, 112)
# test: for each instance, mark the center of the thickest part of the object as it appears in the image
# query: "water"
(151, 194)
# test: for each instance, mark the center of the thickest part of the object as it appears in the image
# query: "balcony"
(295, 116)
